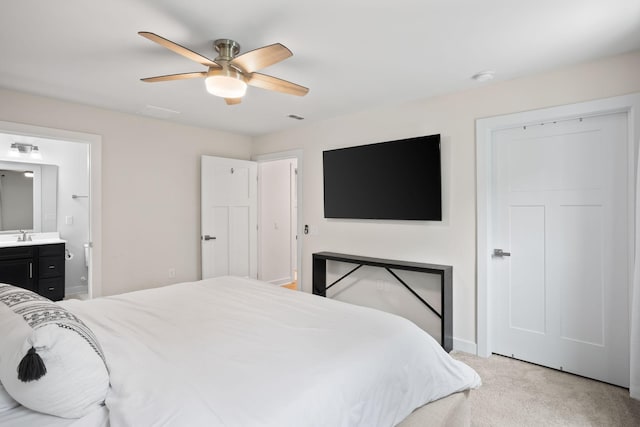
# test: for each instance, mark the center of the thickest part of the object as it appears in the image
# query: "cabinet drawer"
(50, 266)
(51, 288)
(17, 252)
(51, 250)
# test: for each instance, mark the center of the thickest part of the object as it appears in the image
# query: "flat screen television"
(397, 180)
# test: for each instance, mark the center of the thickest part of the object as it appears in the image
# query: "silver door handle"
(207, 237)
(500, 253)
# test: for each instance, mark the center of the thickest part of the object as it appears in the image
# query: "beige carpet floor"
(516, 393)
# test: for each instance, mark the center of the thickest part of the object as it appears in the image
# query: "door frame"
(94, 161)
(283, 155)
(629, 104)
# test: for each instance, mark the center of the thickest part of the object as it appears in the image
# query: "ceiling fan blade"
(180, 50)
(170, 77)
(233, 101)
(262, 57)
(273, 83)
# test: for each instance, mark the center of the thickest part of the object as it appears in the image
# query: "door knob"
(207, 237)
(500, 253)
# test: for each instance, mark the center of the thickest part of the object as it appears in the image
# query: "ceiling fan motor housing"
(227, 49)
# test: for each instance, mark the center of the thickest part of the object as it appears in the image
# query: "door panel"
(239, 246)
(527, 282)
(581, 300)
(582, 151)
(219, 249)
(560, 209)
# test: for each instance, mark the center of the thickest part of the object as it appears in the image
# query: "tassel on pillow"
(31, 367)
(75, 380)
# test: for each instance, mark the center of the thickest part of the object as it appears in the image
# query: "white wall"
(73, 178)
(150, 186)
(48, 198)
(451, 241)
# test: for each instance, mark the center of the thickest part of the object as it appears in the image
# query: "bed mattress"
(23, 417)
(239, 352)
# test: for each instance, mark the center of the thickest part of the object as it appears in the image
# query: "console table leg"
(319, 276)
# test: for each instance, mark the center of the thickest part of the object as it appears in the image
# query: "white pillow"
(6, 401)
(50, 361)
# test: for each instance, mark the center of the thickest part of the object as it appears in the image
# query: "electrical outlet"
(172, 273)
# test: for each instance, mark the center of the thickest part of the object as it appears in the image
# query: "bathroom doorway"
(77, 192)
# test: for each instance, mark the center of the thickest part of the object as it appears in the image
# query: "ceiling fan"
(228, 75)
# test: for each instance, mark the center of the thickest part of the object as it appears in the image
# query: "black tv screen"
(389, 180)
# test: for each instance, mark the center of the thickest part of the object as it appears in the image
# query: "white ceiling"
(352, 54)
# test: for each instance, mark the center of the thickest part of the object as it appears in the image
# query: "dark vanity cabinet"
(16, 266)
(39, 268)
(50, 271)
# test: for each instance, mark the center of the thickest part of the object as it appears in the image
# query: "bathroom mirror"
(28, 197)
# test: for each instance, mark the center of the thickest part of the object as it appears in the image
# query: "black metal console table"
(444, 271)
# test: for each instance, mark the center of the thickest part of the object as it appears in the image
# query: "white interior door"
(229, 217)
(561, 212)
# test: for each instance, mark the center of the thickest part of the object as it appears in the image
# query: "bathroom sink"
(11, 240)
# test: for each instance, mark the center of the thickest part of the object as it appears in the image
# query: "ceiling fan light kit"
(225, 83)
(228, 75)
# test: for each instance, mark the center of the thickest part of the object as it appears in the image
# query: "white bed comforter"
(238, 352)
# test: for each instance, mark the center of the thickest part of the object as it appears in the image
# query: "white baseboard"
(465, 346)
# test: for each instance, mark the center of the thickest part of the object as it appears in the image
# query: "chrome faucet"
(24, 236)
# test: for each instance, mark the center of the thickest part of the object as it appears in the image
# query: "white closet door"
(561, 210)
